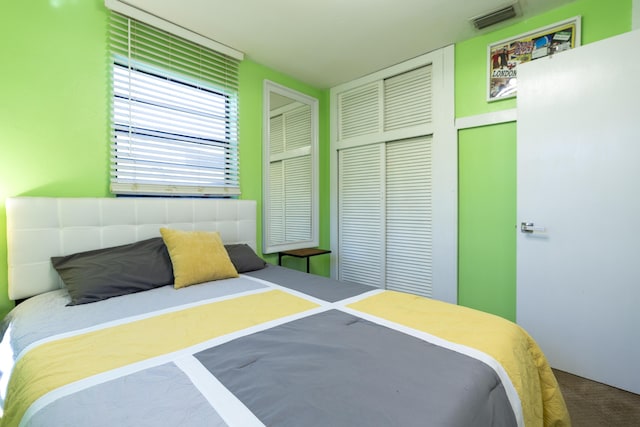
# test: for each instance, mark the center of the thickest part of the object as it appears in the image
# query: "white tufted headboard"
(41, 227)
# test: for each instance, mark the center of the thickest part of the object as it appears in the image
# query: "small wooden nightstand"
(302, 253)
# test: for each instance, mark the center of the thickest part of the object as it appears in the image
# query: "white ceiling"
(327, 42)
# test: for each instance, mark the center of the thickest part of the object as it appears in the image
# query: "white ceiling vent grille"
(495, 17)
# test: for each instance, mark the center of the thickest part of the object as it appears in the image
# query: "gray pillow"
(104, 273)
(244, 258)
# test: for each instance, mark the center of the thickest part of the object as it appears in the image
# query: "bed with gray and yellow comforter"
(274, 347)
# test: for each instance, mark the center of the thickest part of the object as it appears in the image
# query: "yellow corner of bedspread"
(506, 342)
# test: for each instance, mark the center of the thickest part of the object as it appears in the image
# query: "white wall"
(635, 15)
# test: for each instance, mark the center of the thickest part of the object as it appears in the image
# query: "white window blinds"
(174, 116)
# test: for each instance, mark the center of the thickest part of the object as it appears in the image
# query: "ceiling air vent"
(495, 17)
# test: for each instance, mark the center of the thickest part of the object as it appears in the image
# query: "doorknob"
(529, 227)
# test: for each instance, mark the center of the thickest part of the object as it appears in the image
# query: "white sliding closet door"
(385, 215)
(395, 175)
(408, 216)
(361, 215)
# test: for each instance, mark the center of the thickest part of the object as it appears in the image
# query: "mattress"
(273, 347)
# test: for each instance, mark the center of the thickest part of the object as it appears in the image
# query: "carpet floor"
(592, 404)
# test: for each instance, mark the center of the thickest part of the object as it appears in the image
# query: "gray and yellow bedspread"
(307, 351)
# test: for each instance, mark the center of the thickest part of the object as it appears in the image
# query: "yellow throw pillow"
(197, 256)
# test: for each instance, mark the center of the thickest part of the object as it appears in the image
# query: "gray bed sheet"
(320, 287)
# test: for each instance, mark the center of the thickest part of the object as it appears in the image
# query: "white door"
(578, 265)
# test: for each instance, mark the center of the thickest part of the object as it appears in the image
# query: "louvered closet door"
(408, 216)
(394, 187)
(407, 105)
(408, 99)
(385, 215)
(361, 215)
(359, 112)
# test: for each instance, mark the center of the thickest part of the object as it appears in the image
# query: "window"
(290, 176)
(174, 114)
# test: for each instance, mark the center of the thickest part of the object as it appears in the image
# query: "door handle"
(530, 227)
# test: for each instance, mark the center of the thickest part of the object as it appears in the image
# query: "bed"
(118, 326)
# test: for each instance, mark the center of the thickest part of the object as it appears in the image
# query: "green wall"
(486, 216)
(487, 160)
(54, 110)
(54, 106)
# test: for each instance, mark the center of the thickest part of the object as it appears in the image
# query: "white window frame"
(182, 143)
(269, 246)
